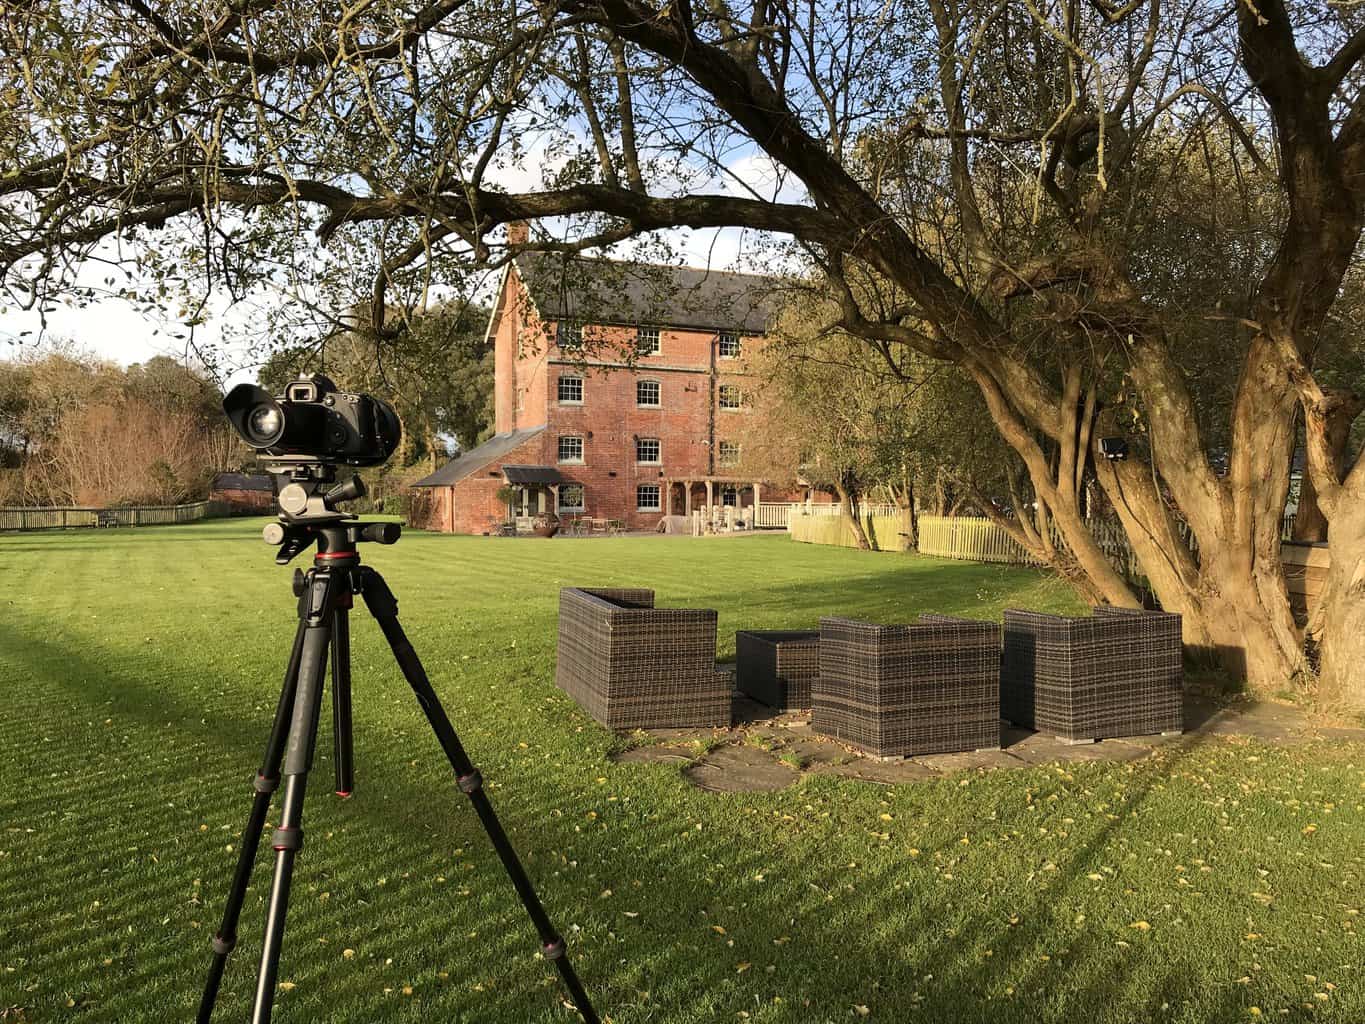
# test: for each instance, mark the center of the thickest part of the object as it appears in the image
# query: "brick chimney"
(518, 232)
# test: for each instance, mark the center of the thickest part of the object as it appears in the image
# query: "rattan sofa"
(633, 666)
(897, 691)
(1115, 673)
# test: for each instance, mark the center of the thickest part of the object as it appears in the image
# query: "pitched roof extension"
(490, 452)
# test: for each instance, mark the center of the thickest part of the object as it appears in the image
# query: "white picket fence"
(972, 538)
(776, 515)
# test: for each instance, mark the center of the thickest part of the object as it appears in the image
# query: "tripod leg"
(266, 780)
(384, 607)
(319, 600)
(341, 697)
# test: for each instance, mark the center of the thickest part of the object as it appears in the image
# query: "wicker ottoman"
(897, 691)
(777, 667)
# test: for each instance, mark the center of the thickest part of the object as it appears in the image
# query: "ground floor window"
(729, 495)
(571, 498)
(647, 497)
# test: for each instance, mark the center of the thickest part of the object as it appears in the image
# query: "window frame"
(658, 451)
(729, 336)
(561, 508)
(730, 491)
(728, 453)
(739, 397)
(566, 327)
(658, 498)
(578, 461)
(658, 335)
(658, 393)
(559, 388)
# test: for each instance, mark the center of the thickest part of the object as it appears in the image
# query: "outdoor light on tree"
(303, 435)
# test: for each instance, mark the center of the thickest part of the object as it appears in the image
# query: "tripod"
(325, 596)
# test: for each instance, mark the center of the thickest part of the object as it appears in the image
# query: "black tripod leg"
(266, 780)
(318, 601)
(341, 697)
(384, 607)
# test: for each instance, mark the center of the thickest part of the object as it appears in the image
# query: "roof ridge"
(646, 263)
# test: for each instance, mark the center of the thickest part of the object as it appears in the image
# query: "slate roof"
(621, 292)
(490, 452)
(532, 475)
(241, 482)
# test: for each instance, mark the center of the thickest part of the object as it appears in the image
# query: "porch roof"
(531, 475)
(486, 454)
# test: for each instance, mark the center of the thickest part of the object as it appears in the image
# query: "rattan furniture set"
(940, 685)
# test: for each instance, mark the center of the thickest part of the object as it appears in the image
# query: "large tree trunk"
(1340, 625)
(1310, 522)
(909, 518)
(848, 512)
(1338, 621)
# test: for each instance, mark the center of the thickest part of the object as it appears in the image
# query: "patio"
(769, 751)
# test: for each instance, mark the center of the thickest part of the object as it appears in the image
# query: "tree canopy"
(1130, 218)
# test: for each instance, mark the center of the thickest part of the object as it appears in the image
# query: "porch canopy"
(541, 475)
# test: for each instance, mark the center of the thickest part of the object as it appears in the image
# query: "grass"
(1220, 881)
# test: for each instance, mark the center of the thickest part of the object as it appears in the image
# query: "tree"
(81, 431)
(999, 166)
(438, 376)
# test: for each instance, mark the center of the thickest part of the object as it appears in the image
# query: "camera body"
(313, 421)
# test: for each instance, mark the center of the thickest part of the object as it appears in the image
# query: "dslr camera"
(313, 422)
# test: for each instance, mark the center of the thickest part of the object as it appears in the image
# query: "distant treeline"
(76, 430)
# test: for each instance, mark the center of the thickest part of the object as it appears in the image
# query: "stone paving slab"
(886, 773)
(660, 754)
(1040, 749)
(740, 769)
(969, 760)
(751, 755)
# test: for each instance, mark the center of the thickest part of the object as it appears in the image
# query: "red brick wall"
(687, 424)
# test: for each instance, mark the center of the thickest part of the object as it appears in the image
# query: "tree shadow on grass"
(878, 943)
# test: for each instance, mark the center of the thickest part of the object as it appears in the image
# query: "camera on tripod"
(314, 422)
(303, 435)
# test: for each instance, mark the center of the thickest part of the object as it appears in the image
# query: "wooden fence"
(139, 515)
(975, 539)
(883, 532)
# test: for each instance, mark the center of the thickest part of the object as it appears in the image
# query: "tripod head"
(308, 494)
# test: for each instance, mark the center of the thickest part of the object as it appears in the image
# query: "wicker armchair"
(897, 691)
(633, 666)
(1116, 673)
(777, 667)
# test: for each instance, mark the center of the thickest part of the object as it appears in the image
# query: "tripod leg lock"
(471, 783)
(223, 945)
(287, 839)
(265, 784)
(553, 950)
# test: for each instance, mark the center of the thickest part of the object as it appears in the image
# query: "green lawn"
(139, 669)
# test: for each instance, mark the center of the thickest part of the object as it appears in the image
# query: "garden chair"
(898, 691)
(633, 666)
(1117, 672)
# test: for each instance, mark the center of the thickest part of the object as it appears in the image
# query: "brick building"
(620, 394)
